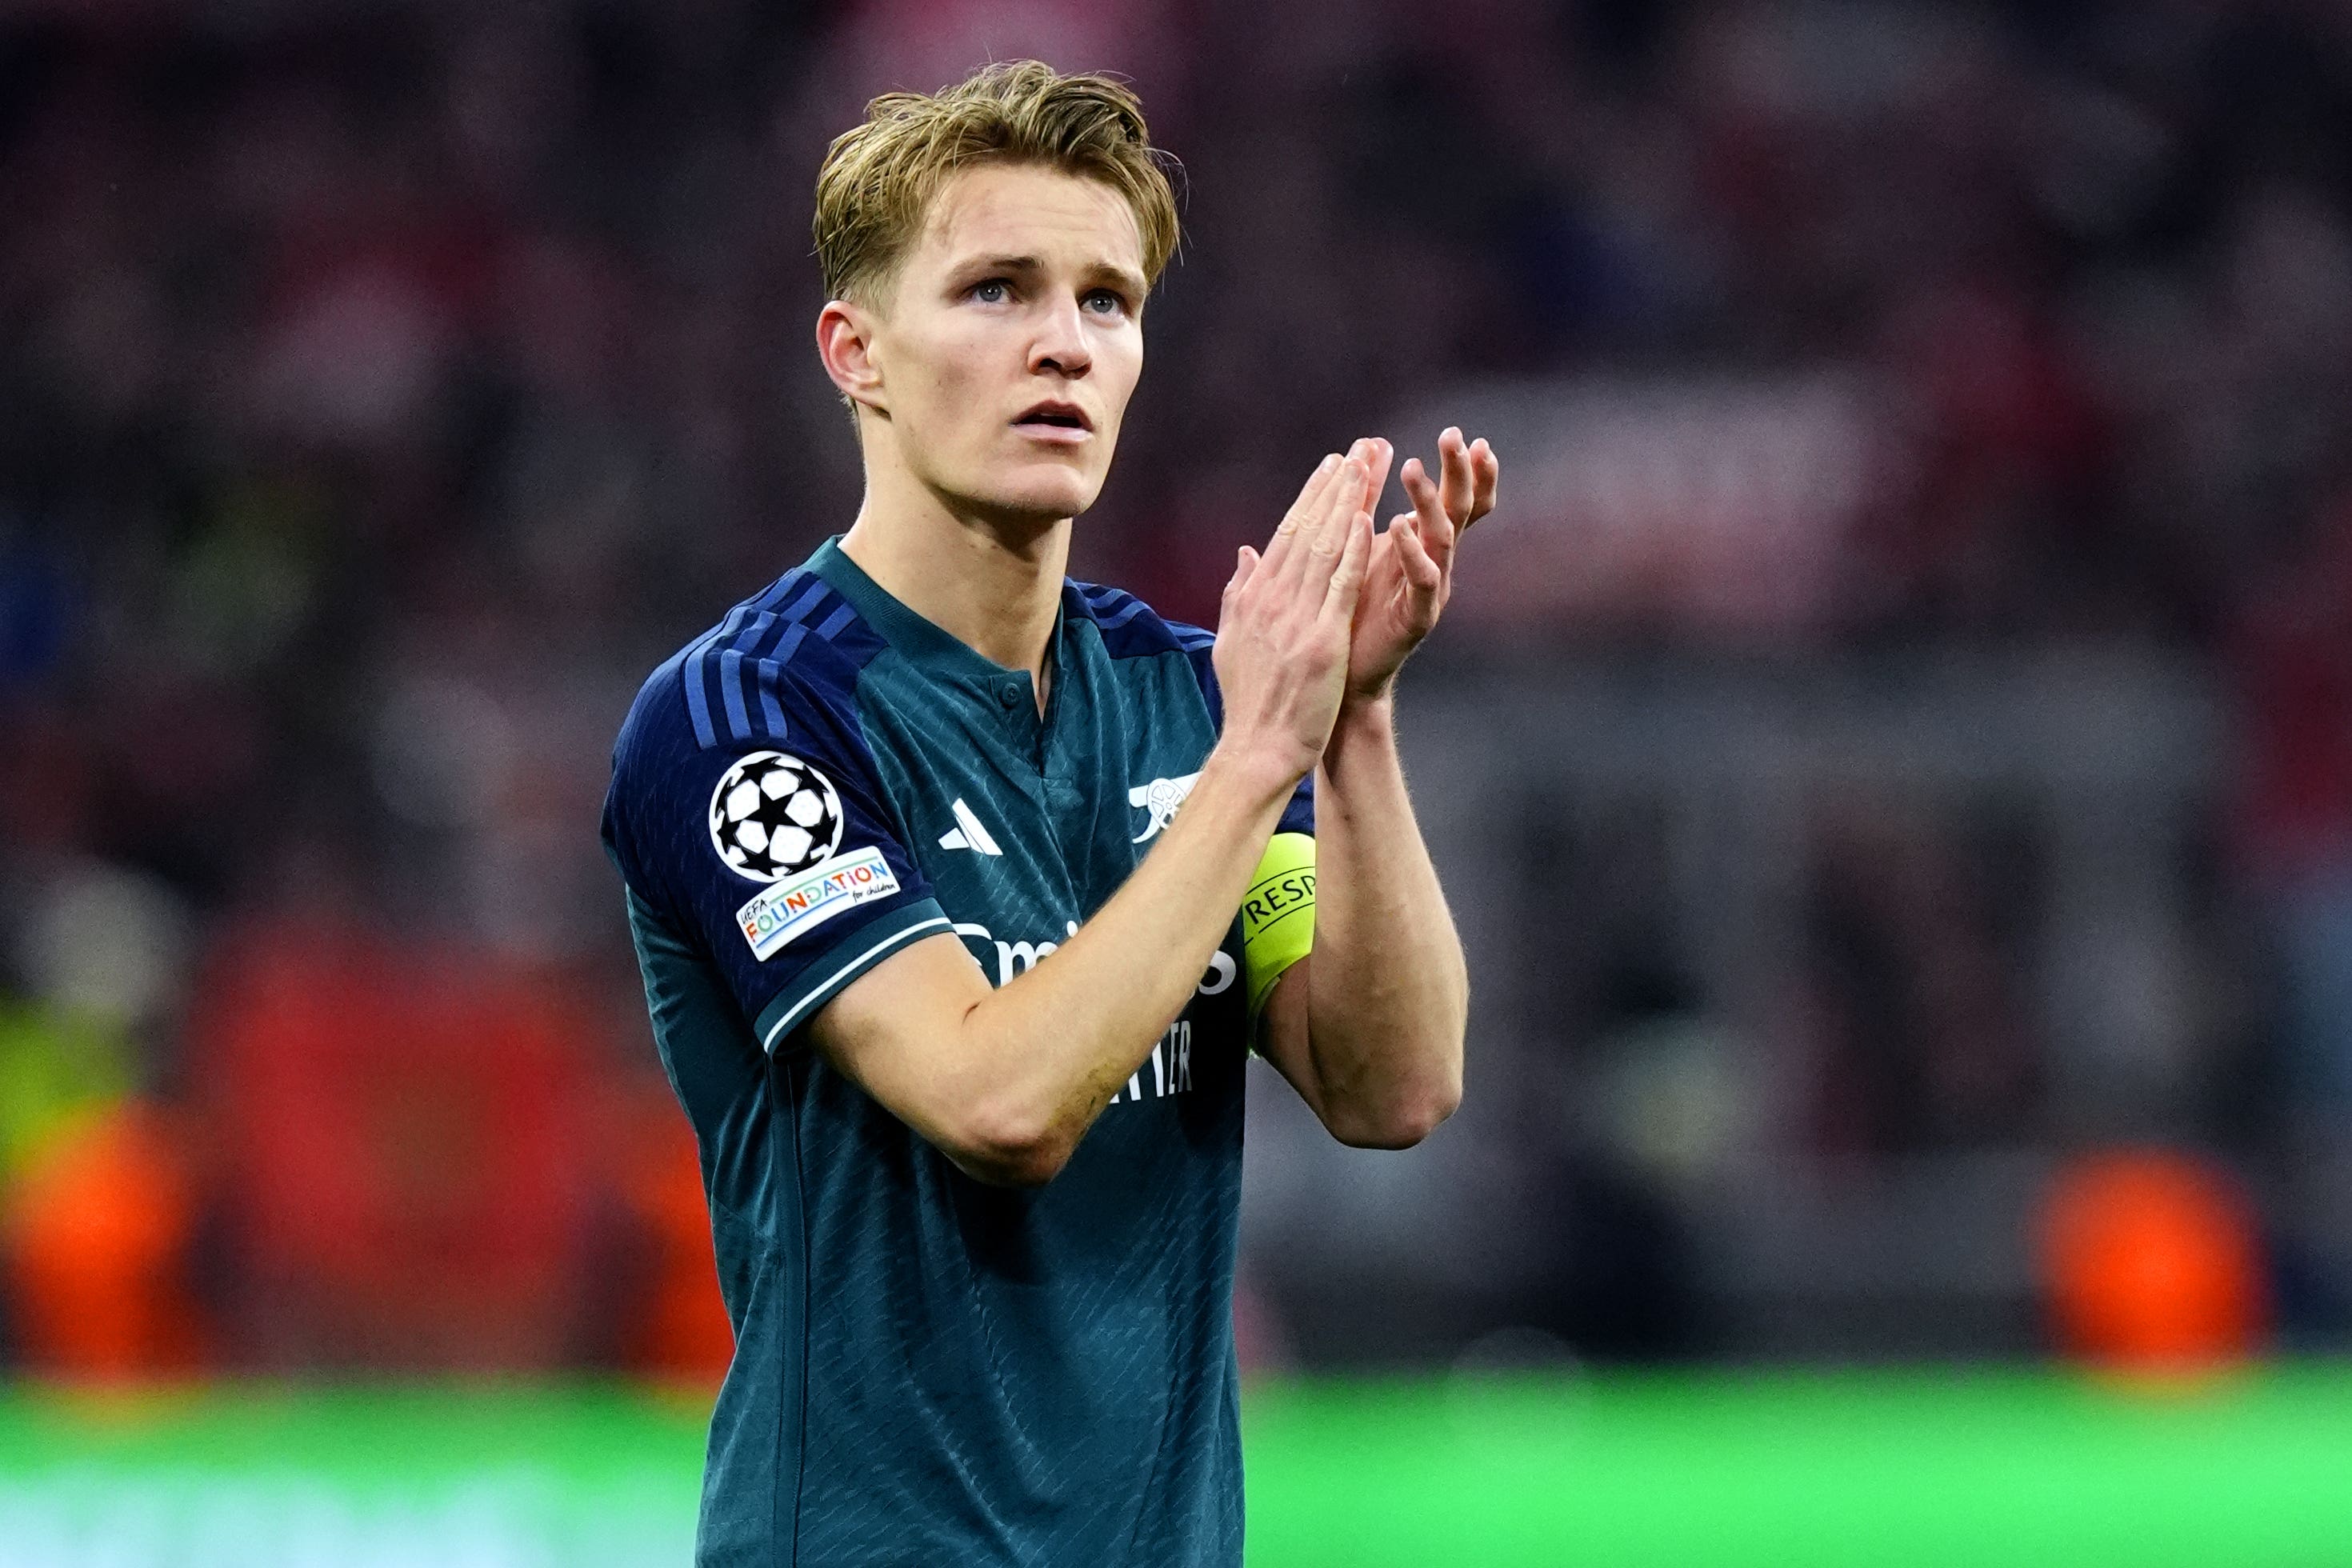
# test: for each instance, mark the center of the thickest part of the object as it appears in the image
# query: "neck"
(991, 582)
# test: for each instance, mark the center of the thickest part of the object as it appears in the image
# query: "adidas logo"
(968, 834)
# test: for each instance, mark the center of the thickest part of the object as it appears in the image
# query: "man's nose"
(1061, 340)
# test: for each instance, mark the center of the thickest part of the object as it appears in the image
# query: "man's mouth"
(1055, 416)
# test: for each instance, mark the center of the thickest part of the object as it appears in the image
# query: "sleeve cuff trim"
(849, 969)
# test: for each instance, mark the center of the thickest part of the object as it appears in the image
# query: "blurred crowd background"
(1891, 754)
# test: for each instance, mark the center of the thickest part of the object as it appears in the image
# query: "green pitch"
(1917, 1468)
(2011, 1468)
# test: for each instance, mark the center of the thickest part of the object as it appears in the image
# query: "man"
(956, 997)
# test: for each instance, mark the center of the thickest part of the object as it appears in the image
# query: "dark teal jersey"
(929, 1370)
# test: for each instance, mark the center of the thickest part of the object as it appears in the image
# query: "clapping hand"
(1284, 633)
(1410, 575)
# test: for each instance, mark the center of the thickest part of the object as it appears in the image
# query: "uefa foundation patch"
(806, 901)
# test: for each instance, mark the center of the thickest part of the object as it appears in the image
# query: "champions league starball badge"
(774, 815)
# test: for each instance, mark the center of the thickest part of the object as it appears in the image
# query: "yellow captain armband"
(1278, 915)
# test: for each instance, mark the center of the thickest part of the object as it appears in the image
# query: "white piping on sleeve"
(784, 1024)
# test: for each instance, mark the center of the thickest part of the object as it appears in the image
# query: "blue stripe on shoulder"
(1134, 607)
(730, 655)
(1129, 628)
(808, 601)
(746, 642)
(772, 711)
(825, 662)
(697, 674)
(697, 700)
(778, 588)
(787, 646)
(730, 688)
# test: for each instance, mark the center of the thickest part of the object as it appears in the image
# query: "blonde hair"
(878, 181)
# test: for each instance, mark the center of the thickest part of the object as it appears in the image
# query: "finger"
(1421, 570)
(1245, 568)
(1348, 573)
(1419, 579)
(1344, 500)
(1321, 556)
(1364, 449)
(1435, 528)
(1305, 508)
(1453, 472)
(1311, 494)
(1425, 584)
(1486, 471)
(1383, 454)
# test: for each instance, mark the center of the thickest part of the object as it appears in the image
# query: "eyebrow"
(1126, 278)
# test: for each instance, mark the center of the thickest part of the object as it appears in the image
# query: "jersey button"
(1009, 694)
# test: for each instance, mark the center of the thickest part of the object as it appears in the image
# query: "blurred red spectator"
(677, 1328)
(2152, 1263)
(406, 1169)
(97, 1236)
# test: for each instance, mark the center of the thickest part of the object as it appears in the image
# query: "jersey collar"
(923, 643)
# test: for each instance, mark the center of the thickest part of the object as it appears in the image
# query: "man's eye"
(992, 292)
(1106, 301)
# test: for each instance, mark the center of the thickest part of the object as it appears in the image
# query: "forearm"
(1388, 993)
(1006, 1081)
(1049, 1050)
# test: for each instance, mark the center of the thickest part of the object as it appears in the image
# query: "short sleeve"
(779, 860)
(1200, 647)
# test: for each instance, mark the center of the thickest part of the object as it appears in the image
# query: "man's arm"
(1006, 1081)
(1368, 1028)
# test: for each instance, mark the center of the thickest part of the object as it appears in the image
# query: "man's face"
(1011, 340)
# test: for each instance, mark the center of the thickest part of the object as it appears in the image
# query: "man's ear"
(844, 342)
